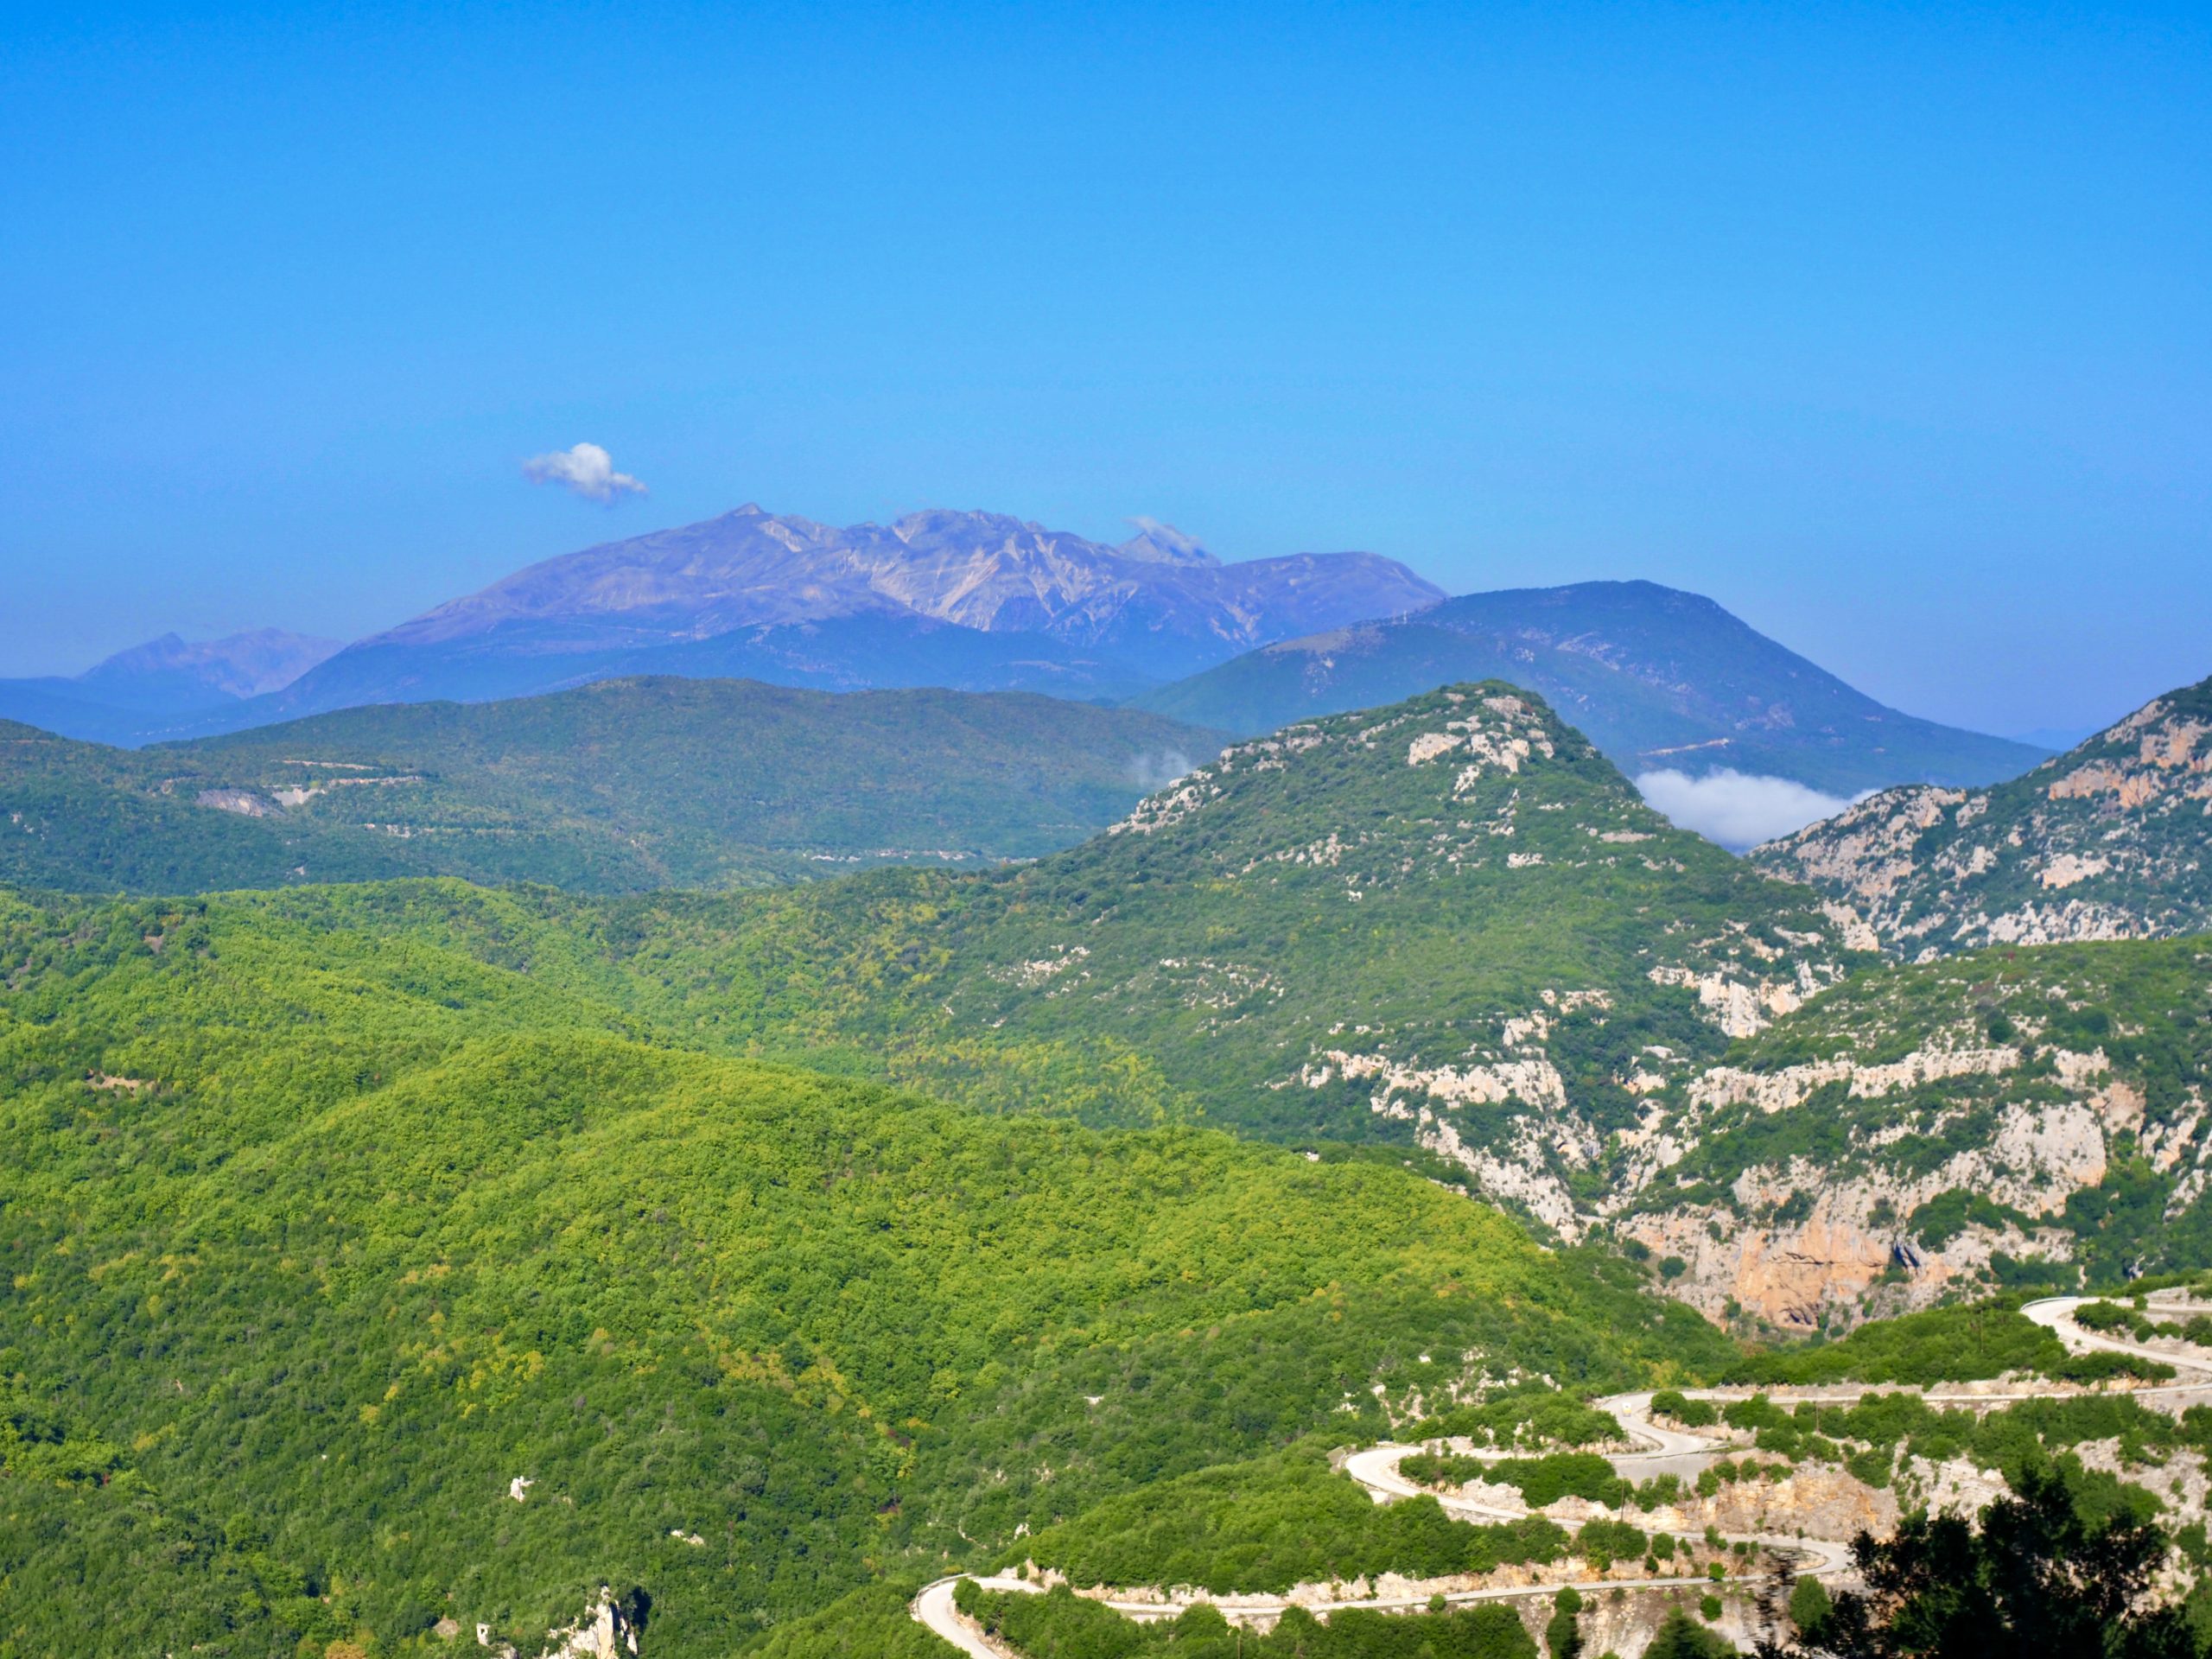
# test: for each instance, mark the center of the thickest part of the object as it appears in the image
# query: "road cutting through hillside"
(1376, 1469)
(1662, 1451)
(2055, 1314)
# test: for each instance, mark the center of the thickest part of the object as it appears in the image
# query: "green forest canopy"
(323, 1229)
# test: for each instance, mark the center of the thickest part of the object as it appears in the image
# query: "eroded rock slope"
(2106, 842)
(2005, 1118)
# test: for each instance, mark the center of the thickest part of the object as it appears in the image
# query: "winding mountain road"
(1661, 1451)
(2055, 1313)
(1375, 1468)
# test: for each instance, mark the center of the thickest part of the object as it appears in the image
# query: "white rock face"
(604, 1632)
(1776, 1092)
(1518, 1177)
(1741, 1009)
(244, 802)
(1802, 1241)
(2107, 843)
(1536, 1082)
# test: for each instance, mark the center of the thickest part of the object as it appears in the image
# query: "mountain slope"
(2108, 840)
(1084, 617)
(2009, 1117)
(168, 671)
(622, 785)
(368, 1274)
(1655, 677)
(878, 651)
(1449, 922)
(161, 688)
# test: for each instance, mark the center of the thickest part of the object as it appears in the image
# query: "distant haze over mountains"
(133, 694)
(975, 600)
(1677, 691)
(1659, 679)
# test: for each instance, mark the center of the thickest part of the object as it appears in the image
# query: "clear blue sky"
(1891, 327)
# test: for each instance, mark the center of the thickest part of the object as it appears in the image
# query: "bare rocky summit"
(973, 601)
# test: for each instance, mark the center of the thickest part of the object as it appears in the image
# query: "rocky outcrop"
(608, 1629)
(1810, 1191)
(2104, 842)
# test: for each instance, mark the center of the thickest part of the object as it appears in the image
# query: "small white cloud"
(1739, 809)
(1156, 540)
(586, 469)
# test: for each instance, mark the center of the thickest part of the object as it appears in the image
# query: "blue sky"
(1891, 327)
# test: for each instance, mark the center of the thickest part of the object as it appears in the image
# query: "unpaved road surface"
(1661, 1450)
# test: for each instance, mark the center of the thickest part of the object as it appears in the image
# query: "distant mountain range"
(972, 601)
(164, 686)
(979, 602)
(1655, 677)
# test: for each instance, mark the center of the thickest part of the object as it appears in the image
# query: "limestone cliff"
(2106, 842)
(2001, 1117)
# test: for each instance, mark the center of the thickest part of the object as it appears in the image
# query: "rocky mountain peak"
(1475, 752)
(242, 664)
(2102, 842)
(1157, 608)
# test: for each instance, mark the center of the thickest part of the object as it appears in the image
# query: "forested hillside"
(369, 1269)
(393, 1258)
(615, 786)
(1449, 922)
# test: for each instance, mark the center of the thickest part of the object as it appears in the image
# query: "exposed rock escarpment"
(2106, 842)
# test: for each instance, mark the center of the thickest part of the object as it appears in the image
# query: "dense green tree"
(1810, 1607)
(2035, 1579)
(1563, 1632)
(1681, 1637)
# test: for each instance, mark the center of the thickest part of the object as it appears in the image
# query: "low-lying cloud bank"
(1737, 809)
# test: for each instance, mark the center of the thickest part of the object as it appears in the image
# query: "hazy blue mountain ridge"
(163, 687)
(1655, 677)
